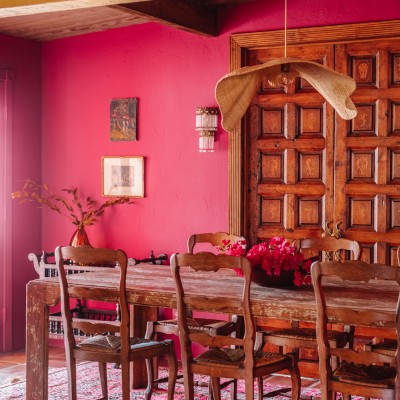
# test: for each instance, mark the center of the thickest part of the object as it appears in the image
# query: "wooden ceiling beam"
(180, 14)
(12, 8)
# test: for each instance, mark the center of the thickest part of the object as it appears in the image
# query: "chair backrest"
(344, 274)
(83, 256)
(331, 246)
(207, 263)
(214, 239)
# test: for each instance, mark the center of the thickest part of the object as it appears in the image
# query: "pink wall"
(26, 162)
(171, 72)
(266, 15)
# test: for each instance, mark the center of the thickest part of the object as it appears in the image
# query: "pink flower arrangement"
(273, 256)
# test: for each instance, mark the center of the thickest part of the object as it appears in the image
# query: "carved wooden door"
(307, 169)
(289, 154)
(367, 150)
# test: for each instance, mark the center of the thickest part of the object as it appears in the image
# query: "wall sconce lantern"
(206, 124)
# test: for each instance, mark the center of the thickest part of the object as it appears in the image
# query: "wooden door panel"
(367, 150)
(301, 176)
(289, 155)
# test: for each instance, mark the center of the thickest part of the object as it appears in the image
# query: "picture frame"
(123, 119)
(123, 176)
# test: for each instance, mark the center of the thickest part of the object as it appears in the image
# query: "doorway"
(295, 168)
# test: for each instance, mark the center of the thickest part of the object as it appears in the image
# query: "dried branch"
(79, 210)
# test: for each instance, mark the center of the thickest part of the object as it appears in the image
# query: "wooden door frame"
(239, 45)
(6, 77)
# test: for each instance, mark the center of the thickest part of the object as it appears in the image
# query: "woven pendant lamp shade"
(235, 91)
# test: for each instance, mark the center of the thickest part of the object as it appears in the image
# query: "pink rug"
(89, 387)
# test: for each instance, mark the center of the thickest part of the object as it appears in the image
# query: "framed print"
(123, 124)
(123, 176)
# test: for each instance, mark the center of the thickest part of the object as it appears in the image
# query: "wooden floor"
(13, 364)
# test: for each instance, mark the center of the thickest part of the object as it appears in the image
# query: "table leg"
(37, 361)
(139, 317)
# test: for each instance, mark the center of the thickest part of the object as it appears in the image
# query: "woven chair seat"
(112, 344)
(367, 375)
(204, 324)
(309, 334)
(235, 357)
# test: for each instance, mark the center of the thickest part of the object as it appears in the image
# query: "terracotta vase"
(260, 278)
(79, 238)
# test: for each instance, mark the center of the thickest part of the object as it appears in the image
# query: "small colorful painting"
(123, 124)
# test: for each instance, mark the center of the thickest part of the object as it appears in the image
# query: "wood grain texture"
(51, 26)
(176, 13)
(152, 285)
(45, 20)
(360, 159)
(11, 8)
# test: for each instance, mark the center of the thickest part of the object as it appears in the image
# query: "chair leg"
(71, 372)
(125, 380)
(215, 384)
(239, 322)
(210, 389)
(150, 379)
(103, 379)
(188, 385)
(172, 373)
(150, 334)
(351, 330)
(234, 389)
(334, 360)
(295, 377)
(249, 389)
(260, 389)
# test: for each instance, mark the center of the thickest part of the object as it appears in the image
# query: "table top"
(153, 285)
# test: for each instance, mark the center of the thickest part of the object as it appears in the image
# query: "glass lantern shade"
(206, 124)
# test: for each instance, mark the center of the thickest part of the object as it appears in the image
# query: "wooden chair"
(296, 337)
(45, 266)
(211, 326)
(381, 344)
(221, 360)
(106, 341)
(358, 373)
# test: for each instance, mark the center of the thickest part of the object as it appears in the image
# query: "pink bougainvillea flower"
(273, 256)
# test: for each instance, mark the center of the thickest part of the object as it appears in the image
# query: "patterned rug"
(89, 387)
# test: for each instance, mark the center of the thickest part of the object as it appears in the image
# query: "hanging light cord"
(284, 76)
(285, 24)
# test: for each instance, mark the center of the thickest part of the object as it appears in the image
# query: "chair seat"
(309, 334)
(204, 324)
(235, 357)
(367, 375)
(112, 344)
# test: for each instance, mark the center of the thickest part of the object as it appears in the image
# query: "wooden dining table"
(151, 286)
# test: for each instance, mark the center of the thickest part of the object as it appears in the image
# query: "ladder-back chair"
(226, 356)
(381, 344)
(209, 325)
(106, 341)
(367, 374)
(296, 337)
